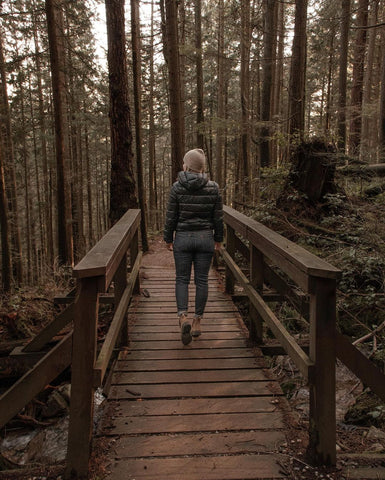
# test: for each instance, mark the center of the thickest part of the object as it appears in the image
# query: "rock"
(376, 434)
(65, 391)
(56, 405)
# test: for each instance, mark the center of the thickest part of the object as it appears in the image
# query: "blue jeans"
(190, 248)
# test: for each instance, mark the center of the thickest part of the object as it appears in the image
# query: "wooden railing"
(316, 302)
(316, 278)
(104, 264)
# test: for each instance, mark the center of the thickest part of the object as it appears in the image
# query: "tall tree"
(382, 103)
(122, 193)
(136, 65)
(4, 226)
(342, 76)
(9, 167)
(58, 68)
(221, 96)
(358, 77)
(199, 71)
(245, 95)
(171, 54)
(267, 85)
(298, 72)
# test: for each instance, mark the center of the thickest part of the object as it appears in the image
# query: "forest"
(100, 100)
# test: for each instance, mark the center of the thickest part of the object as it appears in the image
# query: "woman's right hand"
(169, 246)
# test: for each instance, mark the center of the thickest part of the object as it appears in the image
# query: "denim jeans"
(196, 247)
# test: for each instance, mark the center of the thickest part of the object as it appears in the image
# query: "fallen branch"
(370, 334)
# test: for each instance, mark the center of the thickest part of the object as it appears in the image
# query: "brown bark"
(9, 169)
(199, 72)
(4, 226)
(171, 54)
(266, 100)
(152, 191)
(221, 97)
(122, 192)
(136, 65)
(358, 78)
(63, 197)
(279, 74)
(382, 105)
(298, 72)
(245, 96)
(342, 76)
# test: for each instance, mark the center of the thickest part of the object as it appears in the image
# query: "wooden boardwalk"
(196, 412)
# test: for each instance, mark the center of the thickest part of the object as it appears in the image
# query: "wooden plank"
(205, 376)
(198, 444)
(172, 309)
(198, 468)
(34, 381)
(360, 365)
(367, 473)
(218, 389)
(50, 330)
(115, 327)
(175, 335)
(194, 423)
(178, 345)
(189, 353)
(102, 259)
(193, 406)
(277, 248)
(188, 364)
(166, 328)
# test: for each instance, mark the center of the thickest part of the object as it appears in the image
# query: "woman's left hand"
(169, 246)
(218, 246)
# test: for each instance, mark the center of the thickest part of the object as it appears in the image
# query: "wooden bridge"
(209, 410)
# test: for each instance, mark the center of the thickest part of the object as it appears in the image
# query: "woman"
(195, 213)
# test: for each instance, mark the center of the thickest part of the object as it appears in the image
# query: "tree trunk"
(152, 190)
(266, 100)
(358, 78)
(328, 107)
(382, 105)
(342, 76)
(122, 192)
(9, 170)
(171, 54)
(199, 72)
(136, 65)
(279, 75)
(245, 96)
(4, 226)
(221, 97)
(57, 55)
(368, 83)
(298, 72)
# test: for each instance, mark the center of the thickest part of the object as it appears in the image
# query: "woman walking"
(195, 214)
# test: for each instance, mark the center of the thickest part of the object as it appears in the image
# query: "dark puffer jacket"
(194, 204)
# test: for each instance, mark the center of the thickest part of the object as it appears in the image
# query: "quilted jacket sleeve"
(171, 217)
(218, 219)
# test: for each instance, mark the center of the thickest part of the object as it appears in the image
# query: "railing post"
(322, 415)
(82, 381)
(256, 280)
(120, 284)
(134, 250)
(230, 247)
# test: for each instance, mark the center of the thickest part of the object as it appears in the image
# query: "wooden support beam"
(304, 364)
(34, 381)
(115, 327)
(104, 298)
(82, 382)
(322, 421)
(256, 281)
(230, 251)
(361, 366)
(48, 332)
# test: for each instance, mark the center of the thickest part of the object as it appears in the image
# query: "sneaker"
(196, 327)
(185, 329)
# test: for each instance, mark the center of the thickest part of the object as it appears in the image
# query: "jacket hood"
(192, 181)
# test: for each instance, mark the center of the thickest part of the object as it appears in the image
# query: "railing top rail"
(105, 256)
(286, 254)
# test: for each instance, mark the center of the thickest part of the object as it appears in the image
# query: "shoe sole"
(186, 333)
(196, 333)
